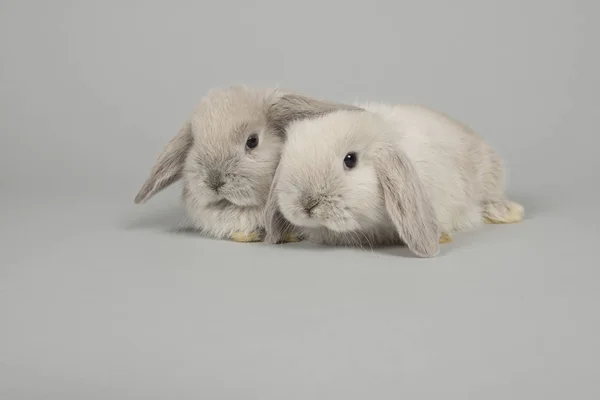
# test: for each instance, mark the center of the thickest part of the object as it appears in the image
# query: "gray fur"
(293, 107)
(274, 219)
(225, 185)
(169, 166)
(407, 202)
(214, 179)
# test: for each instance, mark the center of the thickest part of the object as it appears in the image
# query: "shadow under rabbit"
(163, 221)
(173, 220)
(398, 250)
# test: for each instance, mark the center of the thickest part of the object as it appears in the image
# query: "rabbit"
(386, 174)
(226, 155)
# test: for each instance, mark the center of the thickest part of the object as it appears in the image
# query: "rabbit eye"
(350, 160)
(252, 141)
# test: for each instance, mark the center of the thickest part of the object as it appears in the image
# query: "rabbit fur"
(419, 176)
(226, 183)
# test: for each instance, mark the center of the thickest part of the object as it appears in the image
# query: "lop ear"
(169, 166)
(407, 202)
(289, 107)
(275, 223)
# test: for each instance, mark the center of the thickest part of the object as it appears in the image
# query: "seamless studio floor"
(105, 297)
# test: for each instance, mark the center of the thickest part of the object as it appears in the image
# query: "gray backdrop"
(101, 299)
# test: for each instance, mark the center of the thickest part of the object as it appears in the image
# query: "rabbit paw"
(291, 238)
(507, 212)
(445, 238)
(243, 237)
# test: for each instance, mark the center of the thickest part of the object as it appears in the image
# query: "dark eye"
(252, 141)
(350, 160)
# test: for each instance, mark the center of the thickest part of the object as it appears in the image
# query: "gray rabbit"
(226, 155)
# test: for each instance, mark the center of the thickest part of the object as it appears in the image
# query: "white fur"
(451, 161)
(462, 177)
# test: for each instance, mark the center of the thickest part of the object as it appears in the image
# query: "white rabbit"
(226, 155)
(386, 175)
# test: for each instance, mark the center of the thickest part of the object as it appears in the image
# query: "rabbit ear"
(289, 107)
(275, 222)
(169, 166)
(407, 203)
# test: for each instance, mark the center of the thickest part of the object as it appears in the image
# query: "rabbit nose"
(309, 203)
(214, 180)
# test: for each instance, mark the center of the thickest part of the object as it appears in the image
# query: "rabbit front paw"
(243, 237)
(445, 238)
(291, 238)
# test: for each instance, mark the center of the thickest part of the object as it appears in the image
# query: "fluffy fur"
(226, 184)
(420, 175)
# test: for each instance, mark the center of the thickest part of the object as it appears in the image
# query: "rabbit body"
(420, 174)
(462, 174)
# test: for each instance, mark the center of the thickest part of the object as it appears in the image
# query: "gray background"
(101, 299)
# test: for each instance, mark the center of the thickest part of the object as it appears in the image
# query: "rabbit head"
(224, 152)
(344, 172)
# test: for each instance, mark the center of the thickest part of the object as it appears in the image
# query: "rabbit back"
(461, 173)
